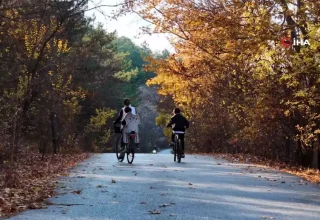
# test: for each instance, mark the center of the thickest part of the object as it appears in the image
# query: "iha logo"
(288, 42)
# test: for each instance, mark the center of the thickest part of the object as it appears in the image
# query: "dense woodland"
(63, 79)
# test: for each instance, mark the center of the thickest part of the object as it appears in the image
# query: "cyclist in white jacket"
(126, 103)
(130, 123)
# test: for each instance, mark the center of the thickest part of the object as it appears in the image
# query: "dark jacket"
(179, 122)
(119, 118)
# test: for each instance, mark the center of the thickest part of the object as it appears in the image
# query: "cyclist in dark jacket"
(180, 123)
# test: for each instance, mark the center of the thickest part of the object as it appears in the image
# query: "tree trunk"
(299, 152)
(54, 133)
(288, 148)
(315, 158)
(43, 146)
(14, 138)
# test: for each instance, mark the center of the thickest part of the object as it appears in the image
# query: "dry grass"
(311, 175)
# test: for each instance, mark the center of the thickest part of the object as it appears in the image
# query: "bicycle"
(130, 148)
(177, 146)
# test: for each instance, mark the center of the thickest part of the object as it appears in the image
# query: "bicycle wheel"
(175, 148)
(179, 151)
(130, 154)
(118, 149)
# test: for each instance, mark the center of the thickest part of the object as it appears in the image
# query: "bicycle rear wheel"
(179, 151)
(175, 148)
(175, 152)
(130, 154)
(118, 149)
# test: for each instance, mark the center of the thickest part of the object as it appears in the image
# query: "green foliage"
(132, 73)
(97, 130)
(60, 77)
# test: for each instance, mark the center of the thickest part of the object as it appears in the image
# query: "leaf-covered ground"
(311, 175)
(30, 180)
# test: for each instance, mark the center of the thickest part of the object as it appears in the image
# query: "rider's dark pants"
(181, 136)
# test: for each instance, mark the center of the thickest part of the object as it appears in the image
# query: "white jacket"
(132, 122)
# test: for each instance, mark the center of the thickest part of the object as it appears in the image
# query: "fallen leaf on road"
(155, 212)
(80, 177)
(190, 184)
(77, 191)
(218, 163)
(143, 203)
(283, 182)
(164, 205)
(172, 215)
(267, 217)
(151, 187)
(150, 164)
(113, 181)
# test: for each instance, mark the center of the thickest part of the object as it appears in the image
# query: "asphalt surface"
(200, 187)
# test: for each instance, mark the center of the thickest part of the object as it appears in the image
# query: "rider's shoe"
(137, 146)
(182, 155)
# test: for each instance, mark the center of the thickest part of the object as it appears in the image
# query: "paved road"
(199, 188)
